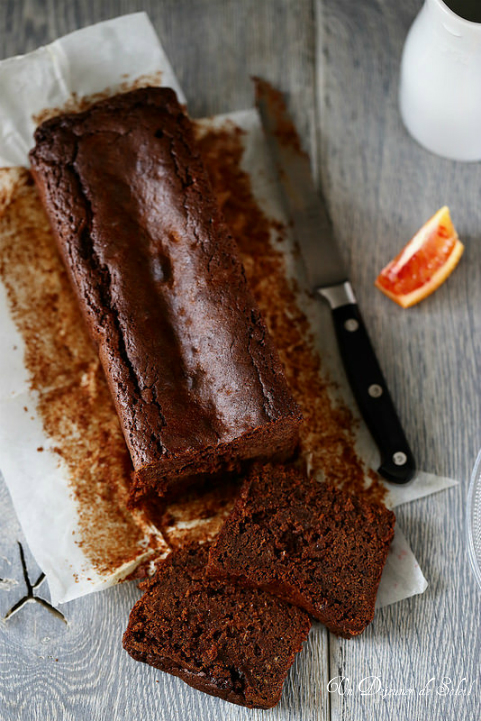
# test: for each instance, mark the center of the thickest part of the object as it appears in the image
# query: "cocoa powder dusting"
(328, 431)
(73, 401)
(285, 130)
(198, 516)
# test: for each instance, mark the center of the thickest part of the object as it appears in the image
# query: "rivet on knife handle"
(369, 386)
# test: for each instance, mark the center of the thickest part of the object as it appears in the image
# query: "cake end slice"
(224, 639)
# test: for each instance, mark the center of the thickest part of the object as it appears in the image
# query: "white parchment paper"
(84, 63)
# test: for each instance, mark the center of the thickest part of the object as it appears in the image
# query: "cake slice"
(307, 542)
(196, 380)
(229, 641)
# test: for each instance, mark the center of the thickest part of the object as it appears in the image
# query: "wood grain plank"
(382, 187)
(49, 670)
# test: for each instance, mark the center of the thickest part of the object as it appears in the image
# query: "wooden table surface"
(339, 62)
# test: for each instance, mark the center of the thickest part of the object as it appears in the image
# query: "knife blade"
(328, 278)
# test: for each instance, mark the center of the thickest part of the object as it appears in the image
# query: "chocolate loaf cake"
(313, 545)
(197, 383)
(221, 638)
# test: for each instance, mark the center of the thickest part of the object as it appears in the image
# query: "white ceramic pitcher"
(440, 86)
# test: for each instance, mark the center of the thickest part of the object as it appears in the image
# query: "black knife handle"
(372, 395)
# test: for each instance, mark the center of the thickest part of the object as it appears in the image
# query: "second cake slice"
(307, 542)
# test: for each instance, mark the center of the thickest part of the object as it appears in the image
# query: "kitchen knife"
(328, 278)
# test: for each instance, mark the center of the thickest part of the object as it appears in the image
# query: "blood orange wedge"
(426, 261)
